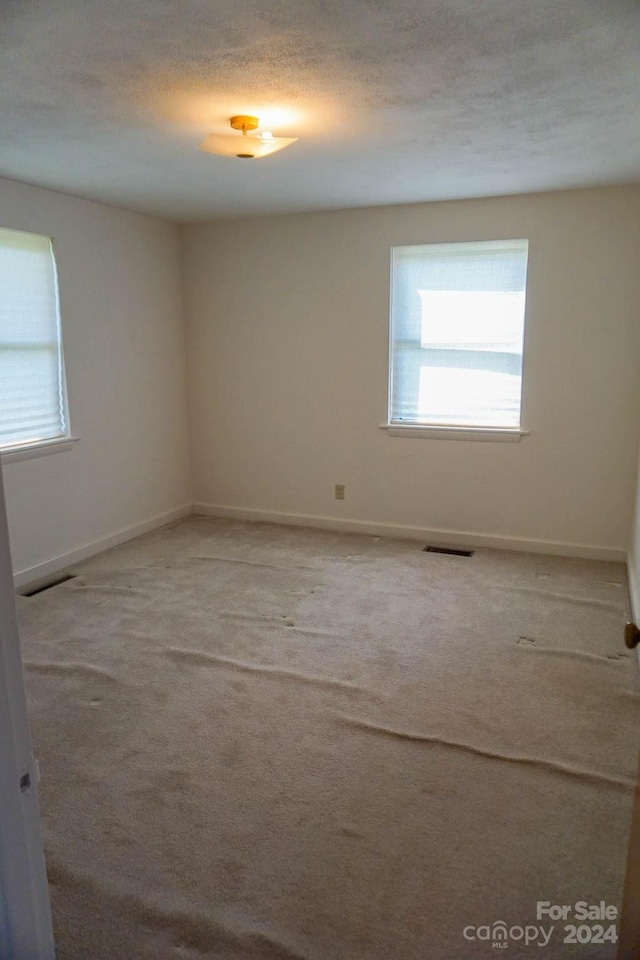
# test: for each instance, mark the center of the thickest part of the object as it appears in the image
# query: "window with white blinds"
(457, 327)
(33, 403)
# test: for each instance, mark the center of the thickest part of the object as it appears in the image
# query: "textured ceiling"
(392, 102)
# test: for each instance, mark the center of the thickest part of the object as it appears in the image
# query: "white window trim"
(33, 446)
(429, 431)
(38, 448)
(433, 432)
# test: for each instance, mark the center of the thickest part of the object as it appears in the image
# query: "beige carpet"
(269, 742)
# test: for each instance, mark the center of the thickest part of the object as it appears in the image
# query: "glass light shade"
(234, 145)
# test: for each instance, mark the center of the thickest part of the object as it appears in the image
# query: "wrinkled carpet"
(268, 743)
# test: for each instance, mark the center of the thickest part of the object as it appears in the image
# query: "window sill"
(28, 451)
(425, 431)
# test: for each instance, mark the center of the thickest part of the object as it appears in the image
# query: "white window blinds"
(457, 325)
(32, 387)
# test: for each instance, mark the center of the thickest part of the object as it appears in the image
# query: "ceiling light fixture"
(245, 147)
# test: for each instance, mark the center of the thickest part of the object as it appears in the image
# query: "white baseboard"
(451, 538)
(43, 570)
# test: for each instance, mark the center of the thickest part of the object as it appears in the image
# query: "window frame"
(396, 428)
(41, 446)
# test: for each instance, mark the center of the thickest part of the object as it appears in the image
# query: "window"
(33, 405)
(457, 325)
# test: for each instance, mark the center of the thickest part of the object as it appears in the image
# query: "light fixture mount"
(248, 146)
(244, 123)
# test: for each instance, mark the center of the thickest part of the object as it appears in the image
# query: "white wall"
(121, 306)
(287, 321)
(287, 337)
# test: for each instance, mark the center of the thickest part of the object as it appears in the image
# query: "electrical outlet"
(339, 491)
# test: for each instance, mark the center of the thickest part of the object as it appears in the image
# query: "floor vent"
(48, 585)
(449, 551)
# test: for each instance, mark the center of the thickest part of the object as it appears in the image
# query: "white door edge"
(25, 915)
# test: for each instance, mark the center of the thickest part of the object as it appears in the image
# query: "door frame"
(25, 914)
